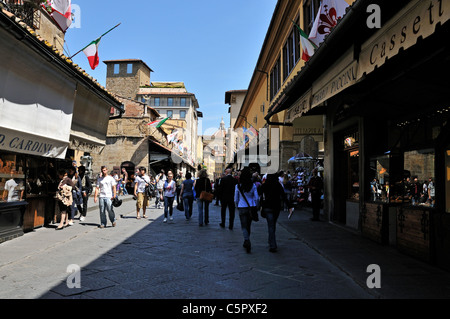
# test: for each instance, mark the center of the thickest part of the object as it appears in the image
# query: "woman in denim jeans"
(273, 197)
(202, 184)
(169, 195)
(246, 188)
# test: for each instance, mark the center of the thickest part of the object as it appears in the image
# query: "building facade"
(173, 101)
(130, 79)
(386, 131)
(63, 117)
(279, 61)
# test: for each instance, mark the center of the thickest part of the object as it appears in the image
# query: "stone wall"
(121, 149)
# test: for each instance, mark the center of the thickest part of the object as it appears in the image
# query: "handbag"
(206, 196)
(180, 206)
(253, 209)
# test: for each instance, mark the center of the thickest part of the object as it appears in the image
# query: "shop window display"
(419, 181)
(41, 176)
(23, 177)
(421, 187)
(412, 183)
(379, 179)
(12, 178)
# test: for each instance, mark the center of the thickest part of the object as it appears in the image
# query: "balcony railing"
(24, 9)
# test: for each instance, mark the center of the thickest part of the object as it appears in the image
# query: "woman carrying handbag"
(203, 193)
(245, 197)
(169, 189)
(273, 198)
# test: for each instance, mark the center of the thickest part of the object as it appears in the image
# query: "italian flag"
(61, 12)
(158, 123)
(91, 52)
(308, 47)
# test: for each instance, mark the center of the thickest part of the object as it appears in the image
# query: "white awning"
(36, 102)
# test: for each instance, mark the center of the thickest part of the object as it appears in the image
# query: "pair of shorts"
(142, 200)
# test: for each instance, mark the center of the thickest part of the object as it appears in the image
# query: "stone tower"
(125, 77)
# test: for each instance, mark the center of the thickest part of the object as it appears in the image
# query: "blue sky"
(212, 46)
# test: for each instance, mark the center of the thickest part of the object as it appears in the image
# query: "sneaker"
(165, 220)
(171, 218)
(101, 226)
(71, 223)
(114, 224)
(82, 219)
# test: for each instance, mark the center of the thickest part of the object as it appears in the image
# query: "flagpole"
(96, 40)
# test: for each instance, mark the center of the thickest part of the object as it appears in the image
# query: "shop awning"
(90, 122)
(36, 115)
(161, 153)
(336, 65)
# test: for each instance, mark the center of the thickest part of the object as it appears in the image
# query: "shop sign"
(417, 20)
(18, 142)
(301, 106)
(345, 78)
(89, 147)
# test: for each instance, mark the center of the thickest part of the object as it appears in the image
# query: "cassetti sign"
(419, 19)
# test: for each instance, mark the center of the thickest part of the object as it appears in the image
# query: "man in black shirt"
(227, 187)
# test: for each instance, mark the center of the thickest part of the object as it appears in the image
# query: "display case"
(30, 180)
(401, 200)
(12, 179)
(12, 196)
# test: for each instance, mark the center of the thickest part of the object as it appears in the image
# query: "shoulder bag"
(206, 196)
(253, 209)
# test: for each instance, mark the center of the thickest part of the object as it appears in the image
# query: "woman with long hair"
(169, 190)
(65, 199)
(202, 184)
(246, 196)
(187, 195)
(273, 197)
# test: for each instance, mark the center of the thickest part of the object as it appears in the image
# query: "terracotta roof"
(229, 93)
(119, 97)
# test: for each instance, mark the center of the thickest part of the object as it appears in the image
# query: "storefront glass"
(41, 176)
(23, 176)
(379, 179)
(12, 178)
(419, 183)
(351, 165)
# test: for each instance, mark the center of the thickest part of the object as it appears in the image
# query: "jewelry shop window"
(419, 182)
(379, 187)
(12, 178)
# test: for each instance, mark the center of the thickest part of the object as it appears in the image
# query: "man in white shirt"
(106, 188)
(143, 201)
(160, 181)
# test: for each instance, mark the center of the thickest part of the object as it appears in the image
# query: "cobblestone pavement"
(149, 259)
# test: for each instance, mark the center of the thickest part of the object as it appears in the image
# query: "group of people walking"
(244, 191)
(73, 193)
